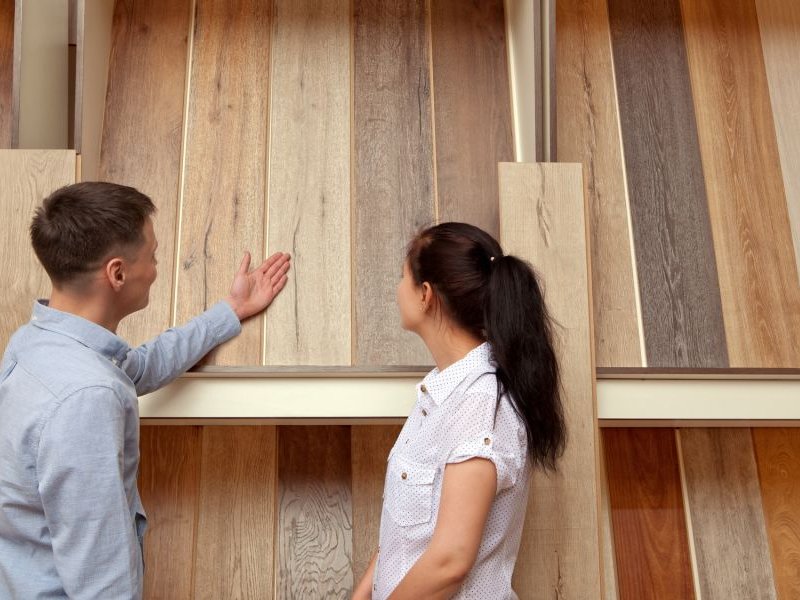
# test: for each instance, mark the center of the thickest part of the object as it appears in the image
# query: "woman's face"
(409, 301)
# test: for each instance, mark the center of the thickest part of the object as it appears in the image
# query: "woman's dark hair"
(498, 298)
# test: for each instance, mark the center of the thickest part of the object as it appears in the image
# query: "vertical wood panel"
(543, 221)
(309, 182)
(588, 132)
(143, 128)
(393, 170)
(724, 499)
(680, 300)
(652, 546)
(749, 217)
(472, 108)
(27, 177)
(6, 70)
(778, 458)
(236, 523)
(610, 585)
(169, 482)
(315, 521)
(224, 179)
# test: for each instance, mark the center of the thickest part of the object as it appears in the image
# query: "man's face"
(141, 272)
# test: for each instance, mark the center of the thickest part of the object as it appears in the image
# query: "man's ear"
(115, 273)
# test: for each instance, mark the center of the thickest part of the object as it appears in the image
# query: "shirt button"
(423, 389)
(424, 413)
(487, 441)
(403, 475)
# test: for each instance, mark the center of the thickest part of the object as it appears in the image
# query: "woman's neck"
(449, 344)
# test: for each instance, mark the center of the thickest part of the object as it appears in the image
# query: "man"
(71, 521)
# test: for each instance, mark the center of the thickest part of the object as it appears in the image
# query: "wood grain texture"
(749, 217)
(370, 446)
(779, 24)
(309, 182)
(225, 170)
(143, 130)
(680, 300)
(588, 132)
(315, 519)
(169, 482)
(724, 500)
(236, 523)
(778, 459)
(27, 176)
(608, 556)
(6, 71)
(472, 108)
(650, 538)
(392, 172)
(543, 220)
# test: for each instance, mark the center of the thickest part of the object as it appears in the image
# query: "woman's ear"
(427, 298)
(115, 273)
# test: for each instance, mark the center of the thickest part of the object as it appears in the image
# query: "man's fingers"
(276, 259)
(279, 286)
(281, 264)
(279, 273)
(244, 266)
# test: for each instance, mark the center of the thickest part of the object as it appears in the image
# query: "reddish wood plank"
(6, 70)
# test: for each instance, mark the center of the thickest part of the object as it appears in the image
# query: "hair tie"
(491, 259)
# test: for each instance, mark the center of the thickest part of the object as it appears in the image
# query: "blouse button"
(424, 413)
(487, 441)
(423, 389)
(403, 475)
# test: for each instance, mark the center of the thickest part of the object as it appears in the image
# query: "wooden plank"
(309, 182)
(393, 170)
(778, 458)
(225, 162)
(724, 500)
(650, 538)
(544, 221)
(169, 482)
(779, 24)
(236, 522)
(370, 448)
(610, 585)
(6, 71)
(314, 541)
(142, 132)
(749, 217)
(588, 132)
(472, 108)
(680, 299)
(27, 176)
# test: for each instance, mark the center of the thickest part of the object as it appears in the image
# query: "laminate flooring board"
(143, 131)
(588, 133)
(647, 512)
(27, 177)
(6, 71)
(778, 458)
(779, 24)
(393, 183)
(236, 522)
(225, 162)
(169, 482)
(314, 542)
(749, 216)
(680, 299)
(309, 182)
(610, 585)
(472, 108)
(724, 498)
(543, 221)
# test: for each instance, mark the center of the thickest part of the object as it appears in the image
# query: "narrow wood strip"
(472, 108)
(749, 217)
(6, 71)
(608, 556)
(393, 169)
(314, 543)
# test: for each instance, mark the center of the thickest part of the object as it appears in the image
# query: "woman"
(457, 479)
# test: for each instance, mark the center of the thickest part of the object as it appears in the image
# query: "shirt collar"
(440, 384)
(91, 335)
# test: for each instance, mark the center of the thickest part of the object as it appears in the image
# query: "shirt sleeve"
(80, 472)
(157, 362)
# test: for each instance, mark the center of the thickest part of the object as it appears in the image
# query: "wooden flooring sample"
(778, 458)
(544, 222)
(314, 540)
(749, 217)
(6, 71)
(236, 523)
(169, 482)
(393, 187)
(27, 176)
(607, 555)
(730, 536)
(143, 131)
(472, 108)
(309, 182)
(647, 512)
(588, 133)
(678, 283)
(224, 187)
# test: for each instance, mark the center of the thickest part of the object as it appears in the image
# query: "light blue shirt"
(71, 520)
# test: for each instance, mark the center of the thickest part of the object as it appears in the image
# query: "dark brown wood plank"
(6, 70)
(472, 108)
(393, 188)
(679, 290)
